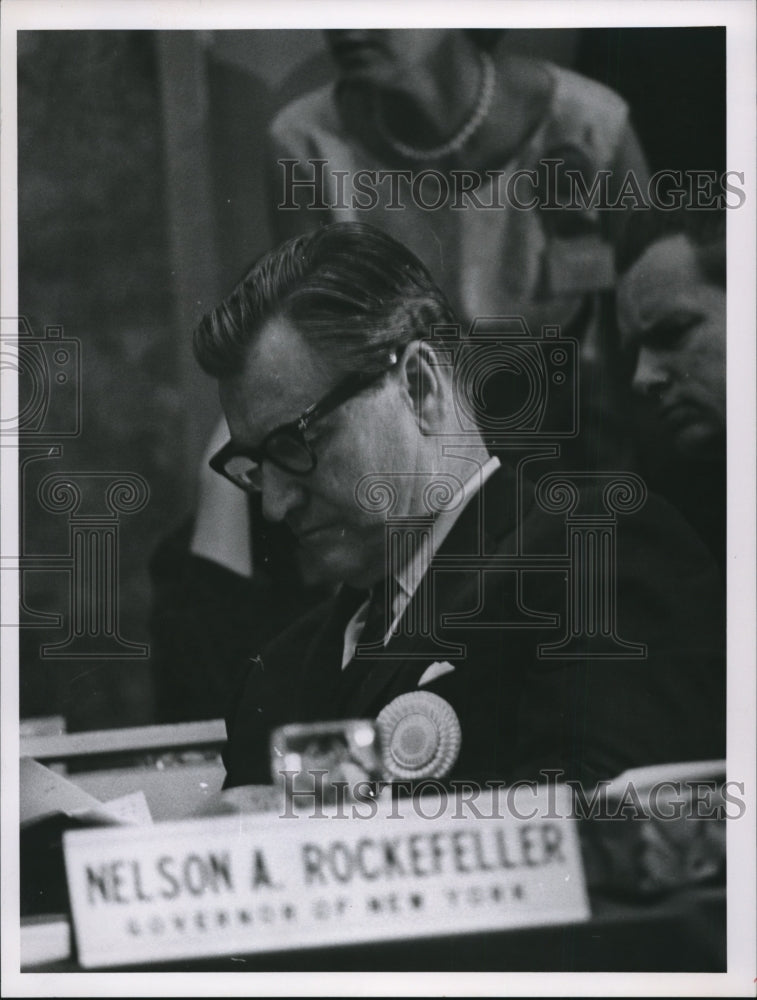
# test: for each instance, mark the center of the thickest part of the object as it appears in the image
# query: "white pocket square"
(433, 671)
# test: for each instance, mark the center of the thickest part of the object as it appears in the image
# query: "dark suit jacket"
(520, 712)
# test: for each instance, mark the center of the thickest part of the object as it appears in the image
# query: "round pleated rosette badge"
(420, 736)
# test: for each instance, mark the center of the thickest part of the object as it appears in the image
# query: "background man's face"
(373, 432)
(677, 321)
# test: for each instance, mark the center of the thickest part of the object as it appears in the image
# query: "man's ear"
(425, 386)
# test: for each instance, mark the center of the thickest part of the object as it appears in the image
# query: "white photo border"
(738, 16)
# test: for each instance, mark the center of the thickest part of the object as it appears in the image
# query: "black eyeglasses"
(286, 445)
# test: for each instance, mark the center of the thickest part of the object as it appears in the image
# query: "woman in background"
(456, 100)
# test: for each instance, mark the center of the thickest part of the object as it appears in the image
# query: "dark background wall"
(93, 258)
(141, 198)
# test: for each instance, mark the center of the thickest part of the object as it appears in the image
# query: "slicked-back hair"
(350, 289)
(705, 229)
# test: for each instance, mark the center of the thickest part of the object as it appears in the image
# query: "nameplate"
(367, 872)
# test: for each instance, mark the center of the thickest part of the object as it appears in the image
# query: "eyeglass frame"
(345, 390)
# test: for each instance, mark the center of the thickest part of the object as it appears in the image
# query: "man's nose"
(650, 375)
(281, 491)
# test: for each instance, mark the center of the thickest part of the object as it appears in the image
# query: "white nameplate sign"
(255, 883)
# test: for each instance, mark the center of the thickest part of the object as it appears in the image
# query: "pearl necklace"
(483, 106)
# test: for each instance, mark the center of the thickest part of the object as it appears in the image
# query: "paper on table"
(131, 808)
(45, 793)
(45, 938)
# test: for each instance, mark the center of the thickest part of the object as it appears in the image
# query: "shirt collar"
(410, 575)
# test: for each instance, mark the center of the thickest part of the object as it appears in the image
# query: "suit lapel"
(316, 694)
(482, 527)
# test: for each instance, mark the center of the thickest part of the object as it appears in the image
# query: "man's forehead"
(281, 376)
(665, 273)
(279, 347)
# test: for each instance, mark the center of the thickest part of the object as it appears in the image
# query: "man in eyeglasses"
(336, 401)
(375, 392)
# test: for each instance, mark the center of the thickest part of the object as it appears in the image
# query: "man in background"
(672, 320)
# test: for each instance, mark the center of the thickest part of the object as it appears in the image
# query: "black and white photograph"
(378, 498)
